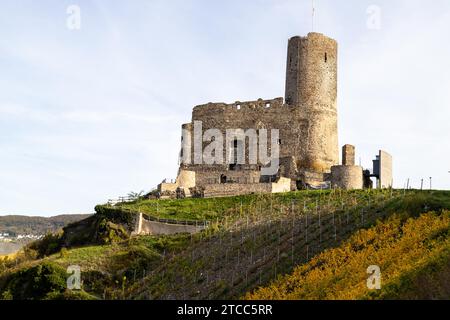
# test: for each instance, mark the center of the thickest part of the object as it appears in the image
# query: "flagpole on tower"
(312, 17)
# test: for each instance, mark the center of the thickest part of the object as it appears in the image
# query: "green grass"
(92, 257)
(189, 209)
(211, 209)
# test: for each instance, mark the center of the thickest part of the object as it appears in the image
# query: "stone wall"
(282, 185)
(288, 168)
(348, 155)
(186, 179)
(312, 178)
(207, 177)
(347, 177)
(147, 227)
(234, 189)
(307, 122)
(258, 114)
(167, 187)
(385, 170)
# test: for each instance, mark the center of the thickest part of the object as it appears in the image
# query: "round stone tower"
(311, 88)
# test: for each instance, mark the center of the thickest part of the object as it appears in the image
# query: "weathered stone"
(347, 177)
(308, 134)
(307, 123)
(348, 155)
(385, 170)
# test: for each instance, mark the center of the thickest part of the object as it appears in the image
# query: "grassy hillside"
(106, 269)
(252, 242)
(209, 209)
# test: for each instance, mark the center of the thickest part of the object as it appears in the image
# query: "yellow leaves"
(396, 246)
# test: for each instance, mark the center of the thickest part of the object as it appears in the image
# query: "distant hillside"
(15, 225)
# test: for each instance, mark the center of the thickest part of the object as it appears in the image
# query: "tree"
(134, 196)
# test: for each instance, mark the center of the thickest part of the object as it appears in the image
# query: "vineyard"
(256, 243)
(413, 254)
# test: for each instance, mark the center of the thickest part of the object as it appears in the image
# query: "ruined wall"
(234, 189)
(313, 179)
(258, 114)
(307, 122)
(167, 187)
(186, 179)
(186, 143)
(347, 177)
(385, 170)
(282, 185)
(288, 167)
(348, 155)
(219, 175)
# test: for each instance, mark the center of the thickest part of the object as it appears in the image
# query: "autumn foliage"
(412, 253)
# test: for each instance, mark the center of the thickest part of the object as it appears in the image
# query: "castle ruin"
(306, 147)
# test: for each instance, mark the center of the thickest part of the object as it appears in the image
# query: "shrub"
(50, 244)
(36, 282)
(108, 232)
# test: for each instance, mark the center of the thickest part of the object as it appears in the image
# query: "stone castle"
(307, 144)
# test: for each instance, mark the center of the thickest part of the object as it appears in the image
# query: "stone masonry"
(307, 120)
(308, 131)
(348, 155)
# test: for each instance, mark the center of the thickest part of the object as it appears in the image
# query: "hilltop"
(254, 245)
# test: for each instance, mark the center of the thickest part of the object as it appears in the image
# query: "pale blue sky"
(93, 114)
